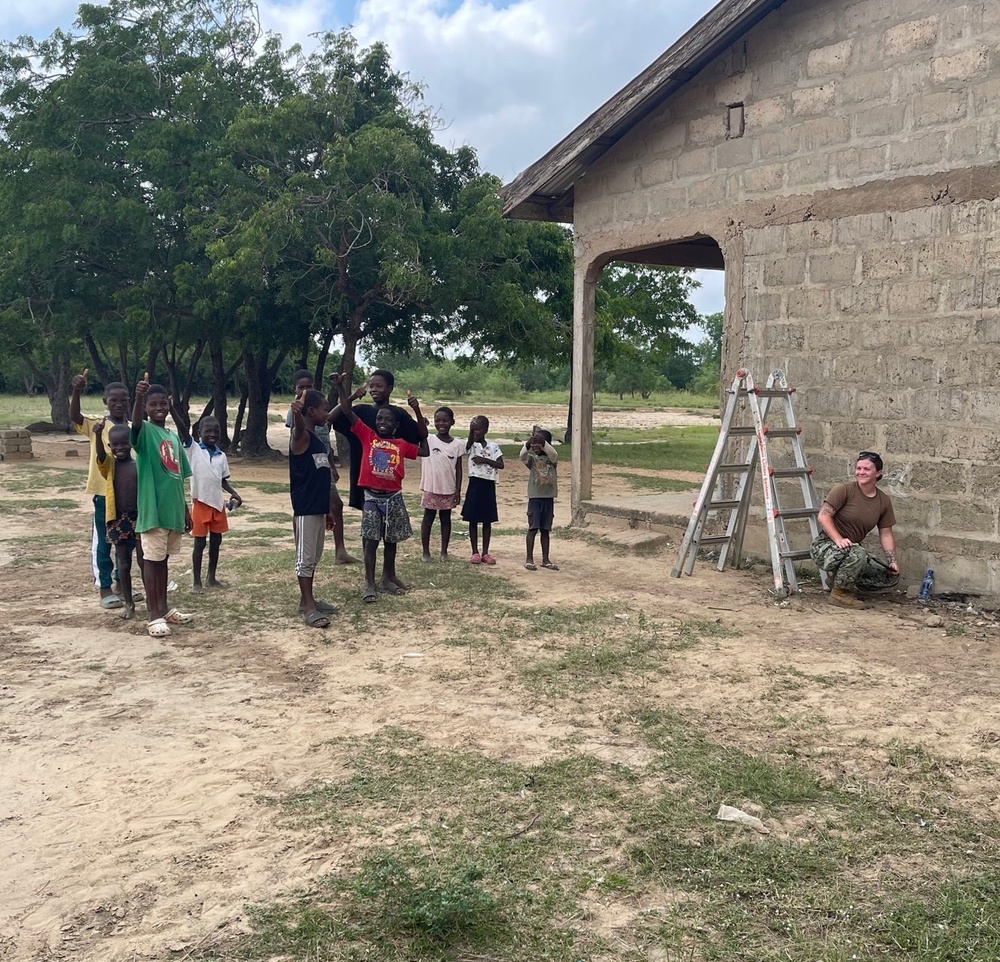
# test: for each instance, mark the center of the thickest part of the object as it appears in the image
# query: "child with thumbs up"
(161, 466)
(116, 404)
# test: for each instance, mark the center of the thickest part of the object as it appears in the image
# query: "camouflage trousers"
(851, 567)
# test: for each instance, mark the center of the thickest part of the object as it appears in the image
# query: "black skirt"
(480, 501)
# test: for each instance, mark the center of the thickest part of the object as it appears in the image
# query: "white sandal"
(158, 628)
(175, 617)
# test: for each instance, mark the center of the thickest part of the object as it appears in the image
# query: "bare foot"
(128, 612)
(213, 583)
(400, 584)
(444, 556)
(197, 589)
(343, 558)
(390, 588)
(425, 557)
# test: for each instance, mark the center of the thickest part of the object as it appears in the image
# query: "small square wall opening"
(735, 121)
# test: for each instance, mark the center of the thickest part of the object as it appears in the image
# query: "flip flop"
(110, 602)
(158, 628)
(175, 617)
(325, 608)
(390, 588)
(369, 596)
(550, 566)
(316, 619)
(530, 566)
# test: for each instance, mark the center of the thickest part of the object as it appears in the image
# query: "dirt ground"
(132, 770)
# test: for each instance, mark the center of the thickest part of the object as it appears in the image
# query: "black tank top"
(310, 478)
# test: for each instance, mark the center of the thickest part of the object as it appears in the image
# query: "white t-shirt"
(437, 471)
(485, 449)
(208, 471)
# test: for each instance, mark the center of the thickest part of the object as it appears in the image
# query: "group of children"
(140, 508)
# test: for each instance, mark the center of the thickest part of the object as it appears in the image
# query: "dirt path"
(133, 814)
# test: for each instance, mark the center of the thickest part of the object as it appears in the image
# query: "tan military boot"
(845, 598)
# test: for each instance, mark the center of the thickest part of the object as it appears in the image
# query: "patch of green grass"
(265, 517)
(267, 487)
(54, 538)
(42, 479)
(655, 483)
(679, 449)
(36, 504)
(491, 859)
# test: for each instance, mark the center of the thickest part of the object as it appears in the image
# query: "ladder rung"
(773, 392)
(782, 432)
(790, 472)
(791, 513)
(731, 468)
(738, 431)
(714, 539)
(722, 505)
(796, 555)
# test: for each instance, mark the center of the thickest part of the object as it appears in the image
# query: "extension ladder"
(741, 470)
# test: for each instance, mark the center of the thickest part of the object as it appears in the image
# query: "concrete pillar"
(584, 285)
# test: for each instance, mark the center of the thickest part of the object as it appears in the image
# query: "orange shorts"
(205, 518)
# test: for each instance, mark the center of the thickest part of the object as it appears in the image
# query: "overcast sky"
(510, 79)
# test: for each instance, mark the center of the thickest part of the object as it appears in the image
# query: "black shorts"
(540, 513)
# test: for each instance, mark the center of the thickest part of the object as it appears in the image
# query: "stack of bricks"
(15, 444)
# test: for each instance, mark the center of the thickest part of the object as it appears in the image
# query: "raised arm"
(346, 397)
(183, 429)
(99, 450)
(139, 405)
(298, 441)
(340, 408)
(77, 385)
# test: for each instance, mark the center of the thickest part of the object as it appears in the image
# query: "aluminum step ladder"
(729, 468)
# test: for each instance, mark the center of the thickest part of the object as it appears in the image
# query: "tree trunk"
(103, 372)
(218, 401)
(253, 442)
(57, 387)
(324, 352)
(238, 429)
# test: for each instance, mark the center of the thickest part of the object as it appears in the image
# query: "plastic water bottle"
(924, 594)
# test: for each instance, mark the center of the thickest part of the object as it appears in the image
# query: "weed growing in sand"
(250, 515)
(655, 482)
(36, 504)
(46, 479)
(267, 487)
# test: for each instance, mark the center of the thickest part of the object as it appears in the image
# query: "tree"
(109, 161)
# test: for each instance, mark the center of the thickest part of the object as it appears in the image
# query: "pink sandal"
(488, 559)
(476, 558)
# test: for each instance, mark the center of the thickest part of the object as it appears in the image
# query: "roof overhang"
(544, 191)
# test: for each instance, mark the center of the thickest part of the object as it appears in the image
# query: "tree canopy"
(178, 188)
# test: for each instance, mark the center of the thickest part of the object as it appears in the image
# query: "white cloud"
(515, 79)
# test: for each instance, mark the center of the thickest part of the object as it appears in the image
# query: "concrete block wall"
(15, 445)
(888, 323)
(835, 92)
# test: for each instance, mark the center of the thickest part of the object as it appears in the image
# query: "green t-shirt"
(161, 467)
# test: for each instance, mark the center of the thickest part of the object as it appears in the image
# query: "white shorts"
(159, 543)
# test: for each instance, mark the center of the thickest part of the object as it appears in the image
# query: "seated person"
(848, 513)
